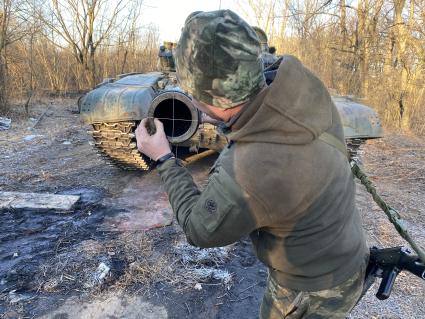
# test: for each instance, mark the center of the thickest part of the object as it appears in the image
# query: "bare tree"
(83, 25)
(401, 62)
(263, 12)
(12, 29)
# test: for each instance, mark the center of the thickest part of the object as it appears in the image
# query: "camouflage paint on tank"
(358, 120)
(126, 99)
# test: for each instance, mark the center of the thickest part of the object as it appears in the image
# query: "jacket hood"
(295, 109)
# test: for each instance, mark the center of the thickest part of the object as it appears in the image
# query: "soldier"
(268, 57)
(165, 58)
(282, 179)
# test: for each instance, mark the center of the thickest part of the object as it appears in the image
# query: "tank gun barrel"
(179, 116)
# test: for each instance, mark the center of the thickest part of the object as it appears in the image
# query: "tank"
(116, 106)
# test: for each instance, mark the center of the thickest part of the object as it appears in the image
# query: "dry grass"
(145, 266)
(130, 257)
(135, 265)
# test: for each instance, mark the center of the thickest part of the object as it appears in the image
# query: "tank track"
(117, 143)
(353, 147)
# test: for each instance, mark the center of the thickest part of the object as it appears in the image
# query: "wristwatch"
(164, 158)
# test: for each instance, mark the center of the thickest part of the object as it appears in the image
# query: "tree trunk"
(3, 83)
(401, 65)
(363, 9)
(92, 69)
(343, 22)
(3, 68)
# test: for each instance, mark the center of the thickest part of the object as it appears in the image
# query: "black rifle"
(387, 263)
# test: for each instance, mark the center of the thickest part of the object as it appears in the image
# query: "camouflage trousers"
(337, 302)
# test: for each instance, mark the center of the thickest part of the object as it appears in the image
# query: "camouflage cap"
(218, 59)
(190, 16)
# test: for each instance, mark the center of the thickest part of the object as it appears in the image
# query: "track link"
(353, 147)
(117, 143)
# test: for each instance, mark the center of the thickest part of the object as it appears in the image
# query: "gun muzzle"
(178, 114)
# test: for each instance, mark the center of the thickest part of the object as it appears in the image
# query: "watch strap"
(164, 158)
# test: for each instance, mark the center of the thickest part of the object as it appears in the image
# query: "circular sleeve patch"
(210, 205)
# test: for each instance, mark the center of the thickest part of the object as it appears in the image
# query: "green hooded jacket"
(277, 182)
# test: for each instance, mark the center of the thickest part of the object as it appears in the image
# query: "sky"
(169, 15)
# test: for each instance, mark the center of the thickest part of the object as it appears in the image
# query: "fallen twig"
(188, 309)
(248, 288)
(41, 116)
(240, 299)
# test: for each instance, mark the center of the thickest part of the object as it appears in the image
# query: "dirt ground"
(50, 262)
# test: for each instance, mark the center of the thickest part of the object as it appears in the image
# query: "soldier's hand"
(154, 146)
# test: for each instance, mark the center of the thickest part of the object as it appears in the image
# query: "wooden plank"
(37, 201)
(199, 156)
